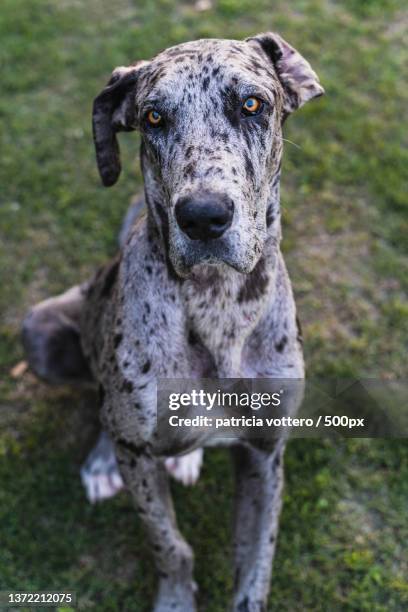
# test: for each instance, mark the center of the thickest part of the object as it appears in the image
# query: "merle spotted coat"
(199, 287)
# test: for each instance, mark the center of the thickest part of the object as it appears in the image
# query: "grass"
(344, 198)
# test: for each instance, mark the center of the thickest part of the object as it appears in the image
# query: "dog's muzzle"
(204, 217)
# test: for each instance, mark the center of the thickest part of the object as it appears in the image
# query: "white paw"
(101, 485)
(186, 468)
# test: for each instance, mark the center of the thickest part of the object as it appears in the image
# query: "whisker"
(289, 141)
(292, 143)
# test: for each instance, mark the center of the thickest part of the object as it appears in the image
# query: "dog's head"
(210, 113)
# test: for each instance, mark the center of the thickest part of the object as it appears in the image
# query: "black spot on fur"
(101, 393)
(177, 51)
(253, 605)
(146, 367)
(249, 167)
(231, 106)
(111, 273)
(243, 605)
(192, 338)
(279, 346)
(270, 217)
(205, 83)
(255, 283)
(277, 461)
(127, 386)
(117, 340)
(130, 446)
(189, 170)
(299, 336)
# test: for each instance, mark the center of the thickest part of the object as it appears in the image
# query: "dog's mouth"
(228, 250)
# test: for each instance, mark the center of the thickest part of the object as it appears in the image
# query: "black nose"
(204, 217)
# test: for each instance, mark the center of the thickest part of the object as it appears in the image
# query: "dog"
(198, 289)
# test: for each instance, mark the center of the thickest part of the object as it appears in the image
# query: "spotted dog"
(199, 288)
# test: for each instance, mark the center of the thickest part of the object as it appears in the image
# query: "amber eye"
(252, 106)
(154, 118)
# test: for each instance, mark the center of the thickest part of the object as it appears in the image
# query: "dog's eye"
(154, 119)
(252, 106)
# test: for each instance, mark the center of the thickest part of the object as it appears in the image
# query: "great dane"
(199, 287)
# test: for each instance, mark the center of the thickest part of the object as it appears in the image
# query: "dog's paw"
(100, 474)
(186, 468)
(99, 485)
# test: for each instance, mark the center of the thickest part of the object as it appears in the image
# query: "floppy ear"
(300, 82)
(114, 111)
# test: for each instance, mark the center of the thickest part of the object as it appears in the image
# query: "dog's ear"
(114, 111)
(300, 82)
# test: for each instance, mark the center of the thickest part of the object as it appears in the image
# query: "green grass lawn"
(344, 529)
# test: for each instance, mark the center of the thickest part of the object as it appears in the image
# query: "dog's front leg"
(259, 481)
(147, 480)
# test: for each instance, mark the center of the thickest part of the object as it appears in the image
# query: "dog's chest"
(221, 318)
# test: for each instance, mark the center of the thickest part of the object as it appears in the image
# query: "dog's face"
(210, 113)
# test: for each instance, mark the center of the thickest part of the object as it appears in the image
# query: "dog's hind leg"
(51, 338)
(258, 503)
(146, 478)
(52, 344)
(50, 330)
